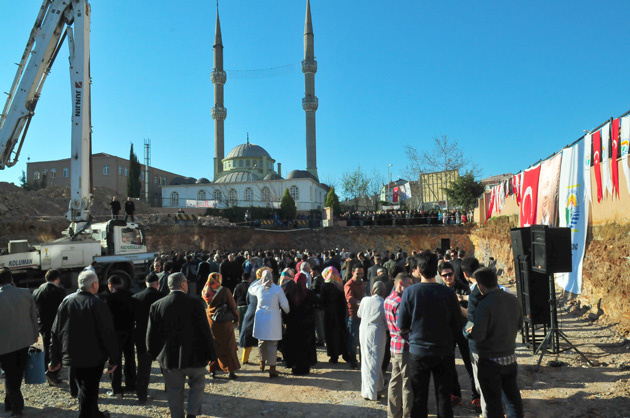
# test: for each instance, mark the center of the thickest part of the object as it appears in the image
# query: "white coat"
(373, 339)
(268, 319)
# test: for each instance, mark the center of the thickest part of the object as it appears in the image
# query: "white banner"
(625, 144)
(588, 148)
(573, 208)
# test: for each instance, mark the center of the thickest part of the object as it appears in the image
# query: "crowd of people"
(368, 309)
(405, 217)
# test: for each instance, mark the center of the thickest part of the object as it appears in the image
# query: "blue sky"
(512, 82)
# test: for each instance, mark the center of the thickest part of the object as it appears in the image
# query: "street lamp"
(389, 180)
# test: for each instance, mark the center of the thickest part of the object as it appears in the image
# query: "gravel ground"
(573, 390)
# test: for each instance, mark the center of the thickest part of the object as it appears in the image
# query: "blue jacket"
(431, 313)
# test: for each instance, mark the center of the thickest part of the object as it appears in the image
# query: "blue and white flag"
(573, 211)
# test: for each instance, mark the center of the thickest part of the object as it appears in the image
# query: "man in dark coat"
(372, 272)
(48, 297)
(130, 208)
(231, 270)
(163, 277)
(179, 337)
(115, 205)
(122, 306)
(144, 301)
(83, 337)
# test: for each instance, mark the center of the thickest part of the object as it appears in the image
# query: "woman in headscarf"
(300, 351)
(333, 302)
(216, 296)
(268, 321)
(246, 338)
(372, 338)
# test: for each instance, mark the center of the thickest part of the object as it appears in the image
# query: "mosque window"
(249, 195)
(240, 163)
(233, 196)
(201, 195)
(174, 199)
(218, 196)
(295, 193)
(247, 163)
(266, 194)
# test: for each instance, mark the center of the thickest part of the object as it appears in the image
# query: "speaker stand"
(554, 334)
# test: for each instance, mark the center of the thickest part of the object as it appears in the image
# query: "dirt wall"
(167, 238)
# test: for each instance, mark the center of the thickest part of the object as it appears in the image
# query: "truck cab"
(118, 237)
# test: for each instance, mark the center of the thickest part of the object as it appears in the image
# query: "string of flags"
(557, 191)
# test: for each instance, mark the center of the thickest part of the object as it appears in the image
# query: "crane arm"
(54, 22)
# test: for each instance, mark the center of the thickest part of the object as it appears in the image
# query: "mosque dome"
(248, 150)
(301, 174)
(202, 180)
(190, 180)
(238, 177)
(272, 176)
(177, 181)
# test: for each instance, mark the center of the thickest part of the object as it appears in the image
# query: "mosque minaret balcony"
(309, 66)
(310, 103)
(218, 77)
(219, 113)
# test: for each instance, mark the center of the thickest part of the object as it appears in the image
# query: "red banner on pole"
(613, 158)
(529, 196)
(395, 197)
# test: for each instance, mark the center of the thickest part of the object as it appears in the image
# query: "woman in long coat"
(300, 351)
(246, 338)
(373, 338)
(216, 296)
(333, 303)
(268, 320)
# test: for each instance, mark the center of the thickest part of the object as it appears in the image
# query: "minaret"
(309, 102)
(219, 112)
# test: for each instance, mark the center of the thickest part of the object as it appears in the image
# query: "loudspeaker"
(445, 244)
(521, 241)
(534, 294)
(551, 249)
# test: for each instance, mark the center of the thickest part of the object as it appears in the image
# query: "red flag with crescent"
(597, 158)
(529, 196)
(490, 205)
(613, 158)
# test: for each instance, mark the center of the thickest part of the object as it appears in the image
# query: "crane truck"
(117, 246)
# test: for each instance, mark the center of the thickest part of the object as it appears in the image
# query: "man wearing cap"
(145, 300)
(18, 326)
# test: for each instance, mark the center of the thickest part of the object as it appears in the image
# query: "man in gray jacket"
(498, 318)
(18, 328)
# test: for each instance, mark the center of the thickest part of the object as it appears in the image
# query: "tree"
(355, 185)
(134, 186)
(332, 201)
(288, 210)
(465, 191)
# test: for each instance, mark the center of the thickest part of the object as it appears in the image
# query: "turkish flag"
(597, 157)
(395, 198)
(613, 158)
(529, 196)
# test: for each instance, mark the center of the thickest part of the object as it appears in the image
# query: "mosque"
(248, 175)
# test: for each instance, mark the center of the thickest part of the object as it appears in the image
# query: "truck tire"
(126, 277)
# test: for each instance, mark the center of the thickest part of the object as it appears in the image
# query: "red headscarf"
(300, 290)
